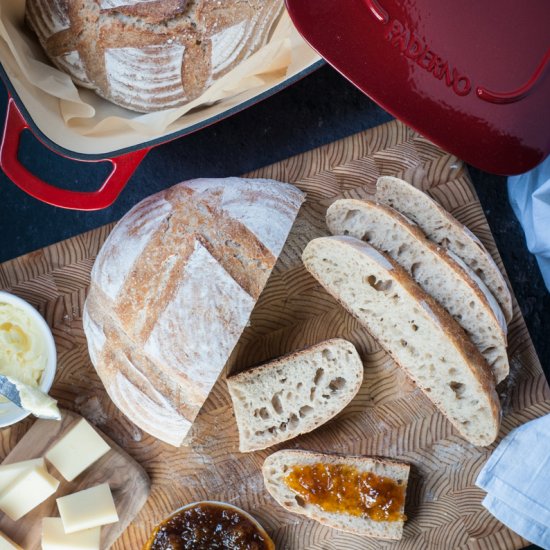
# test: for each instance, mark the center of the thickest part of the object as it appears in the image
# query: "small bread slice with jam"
(358, 494)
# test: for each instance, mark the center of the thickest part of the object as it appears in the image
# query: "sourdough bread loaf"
(446, 231)
(148, 55)
(442, 275)
(277, 466)
(413, 328)
(172, 289)
(294, 394)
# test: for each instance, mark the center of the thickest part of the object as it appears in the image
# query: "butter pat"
(55, 538)
(8, 544)
(77, 450)
(27, 492)
(10, 472)
(87, 509)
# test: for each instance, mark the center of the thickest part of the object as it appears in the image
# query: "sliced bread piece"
(453, 285)
(442, 228)
(417, 332)
(279, 465)
(294, 394)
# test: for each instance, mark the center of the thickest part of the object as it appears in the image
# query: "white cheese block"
(87, 509)
(27, 492)
(8, 544)
(77, 450)
(10, 472)
(55, 538)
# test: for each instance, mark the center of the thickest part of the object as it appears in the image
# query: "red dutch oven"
(124, 162)
(474, 77)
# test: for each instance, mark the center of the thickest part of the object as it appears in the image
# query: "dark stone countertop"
(319, 109)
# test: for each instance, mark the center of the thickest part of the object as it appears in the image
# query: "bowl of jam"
(209, 525)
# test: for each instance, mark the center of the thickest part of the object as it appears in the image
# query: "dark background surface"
(320, 109)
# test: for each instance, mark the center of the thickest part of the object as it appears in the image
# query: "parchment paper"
(79, 120)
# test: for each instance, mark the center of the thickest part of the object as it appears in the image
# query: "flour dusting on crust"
(208, 307)
(73, 63)
(108, 4)
(136, 72)
(269, 219)
(226, 46)
(172, 290)
(128, 239)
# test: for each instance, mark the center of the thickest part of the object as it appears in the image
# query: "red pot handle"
(123, 168)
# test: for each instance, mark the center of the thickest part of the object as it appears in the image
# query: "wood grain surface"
(127, 479)
(388, 417)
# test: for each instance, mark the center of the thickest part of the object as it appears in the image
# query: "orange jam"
(344, 489)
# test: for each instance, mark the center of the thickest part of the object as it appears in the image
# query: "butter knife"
(29, 398)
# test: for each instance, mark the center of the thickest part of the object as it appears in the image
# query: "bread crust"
(449, 233)
(256, 370)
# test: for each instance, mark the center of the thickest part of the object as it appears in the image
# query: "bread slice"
(294, 394)
(442, 228)
(277, 466)
(417, 332)
(453, 285)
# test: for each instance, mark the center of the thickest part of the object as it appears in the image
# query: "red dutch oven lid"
(472, 76)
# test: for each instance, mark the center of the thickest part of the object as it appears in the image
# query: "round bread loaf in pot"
(148, 55)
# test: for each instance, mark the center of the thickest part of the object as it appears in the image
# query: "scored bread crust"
(181, 270)
(276, 465)
(468, 377)
(444, 229)
(446, 278)
(150, 55)
(294, 394)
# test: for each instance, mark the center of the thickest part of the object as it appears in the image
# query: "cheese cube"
(27, 492)
(10, 472)
(77, 450)
(8, 544)
(87, 509)
(55, 538)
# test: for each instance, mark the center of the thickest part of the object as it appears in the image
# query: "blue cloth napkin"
(529, 196)
(517, 480)
(517, 476)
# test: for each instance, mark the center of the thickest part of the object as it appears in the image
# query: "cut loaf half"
(295, 393)
(173, 288)
(449, 281)
(277, 466)
(418, 333)
(442, 228)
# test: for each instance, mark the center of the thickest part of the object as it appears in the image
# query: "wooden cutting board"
(388, 417)
(127, 479)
